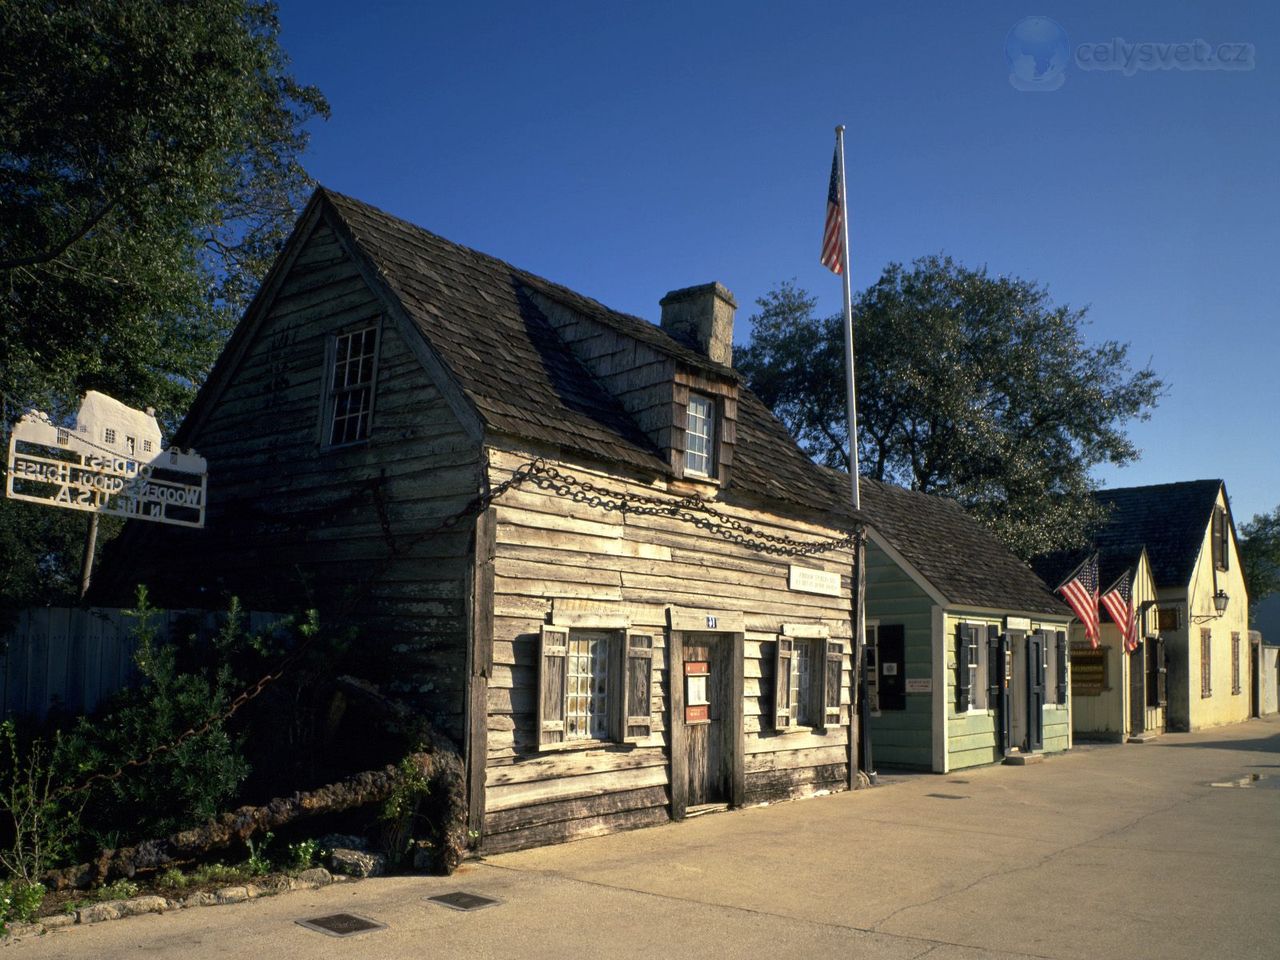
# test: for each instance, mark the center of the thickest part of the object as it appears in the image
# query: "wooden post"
(675, 726)
(479, 661)
(90, 544)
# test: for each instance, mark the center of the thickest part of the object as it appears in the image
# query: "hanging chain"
(691, 509)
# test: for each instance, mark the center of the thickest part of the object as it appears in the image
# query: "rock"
(201, 899)
(424, 856)
(17, 930)
(344, 841)
(141, 905)
(317, 875)
(111, 910)
(232, 894)
(357, 863)
(58, 920)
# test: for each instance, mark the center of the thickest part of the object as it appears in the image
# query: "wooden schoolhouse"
(570, 537)
(967, 646)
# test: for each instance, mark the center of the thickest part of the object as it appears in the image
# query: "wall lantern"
(1220, 602)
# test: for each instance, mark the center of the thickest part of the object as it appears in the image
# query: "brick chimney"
(701, 318)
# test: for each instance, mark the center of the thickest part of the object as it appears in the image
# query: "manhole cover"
(946, 796)
(341, 924)
(464, 901)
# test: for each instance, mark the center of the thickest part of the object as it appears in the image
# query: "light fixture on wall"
(1220, 601)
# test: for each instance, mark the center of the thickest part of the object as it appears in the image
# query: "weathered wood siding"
(902, 738)
(556, 557)
(290, 522)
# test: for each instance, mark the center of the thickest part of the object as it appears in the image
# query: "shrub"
(19, 902)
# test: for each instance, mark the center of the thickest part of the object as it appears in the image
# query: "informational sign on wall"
(808, 580)
(109, 463)
(920, 685)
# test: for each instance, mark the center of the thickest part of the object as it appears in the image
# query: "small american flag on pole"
(1118, 601)
(833, 232)
(1080, 590)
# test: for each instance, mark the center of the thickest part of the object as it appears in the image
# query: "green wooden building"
(967, 647)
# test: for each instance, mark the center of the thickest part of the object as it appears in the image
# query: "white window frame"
(335, 392)
(980, 671)
(692, 418)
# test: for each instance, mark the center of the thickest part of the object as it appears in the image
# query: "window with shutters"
(352, 366)
(1235, 663)
(594, 685)
(808, 680)
(699, 435)
(1206, 663)
(1221, 538)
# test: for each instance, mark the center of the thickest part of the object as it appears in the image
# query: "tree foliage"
(1260, 554)
(971, 386)
(149, 170)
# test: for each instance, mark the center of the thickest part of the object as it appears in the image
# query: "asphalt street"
(1168, 849)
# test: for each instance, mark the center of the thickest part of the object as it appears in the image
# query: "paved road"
(1109, 851)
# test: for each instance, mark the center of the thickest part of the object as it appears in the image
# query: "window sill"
(582, 745)
(328, 447)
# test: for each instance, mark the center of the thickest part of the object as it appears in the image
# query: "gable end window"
(351, 376)
(700, 435)
(1221, 538)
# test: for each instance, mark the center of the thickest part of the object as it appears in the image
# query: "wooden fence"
(71, 659)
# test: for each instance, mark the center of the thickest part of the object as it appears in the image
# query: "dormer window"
(699, 436)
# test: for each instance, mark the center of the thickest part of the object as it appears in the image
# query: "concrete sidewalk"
(1109, 851)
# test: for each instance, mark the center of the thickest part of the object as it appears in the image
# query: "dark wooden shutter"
(1219, 554)
(891, 686)
(963, 652)
(832, 673)
(1060, 638)
(637, 688)
(994, 666)
(784, 711)
(553, 671)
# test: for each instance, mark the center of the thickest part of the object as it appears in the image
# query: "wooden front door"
(706, 704)
(1035, 691)
(1137, 691)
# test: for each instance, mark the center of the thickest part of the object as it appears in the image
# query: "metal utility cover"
(460, 900)
(946, 796)
(341, 924)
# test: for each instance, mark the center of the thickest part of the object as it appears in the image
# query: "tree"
(975, 387)
(149, 171)
(1260, 555)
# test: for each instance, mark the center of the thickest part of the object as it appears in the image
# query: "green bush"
(19, 902)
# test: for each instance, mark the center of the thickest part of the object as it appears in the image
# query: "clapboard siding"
(344, 528)
(553, 555)
(902, 738)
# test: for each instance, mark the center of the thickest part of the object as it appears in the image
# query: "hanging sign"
(109, 463)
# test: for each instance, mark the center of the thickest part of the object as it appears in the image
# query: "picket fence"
(71, 658)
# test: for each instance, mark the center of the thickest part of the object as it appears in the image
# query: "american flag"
(1119, 603)
(1081, 592)
(833, 233)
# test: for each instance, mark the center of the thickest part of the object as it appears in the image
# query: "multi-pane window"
(351, 385)
(971, 668)
(594, 685)
(699, 435)
(109, 435)
(1235, 663)
(1206, 663)
(802, 682)
(808, 678)
(587, 703)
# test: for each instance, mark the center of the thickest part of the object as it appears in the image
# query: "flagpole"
(851, 396)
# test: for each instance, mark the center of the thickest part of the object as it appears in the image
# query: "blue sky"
(627, 149)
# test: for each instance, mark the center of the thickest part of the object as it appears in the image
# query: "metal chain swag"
(545, 477)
